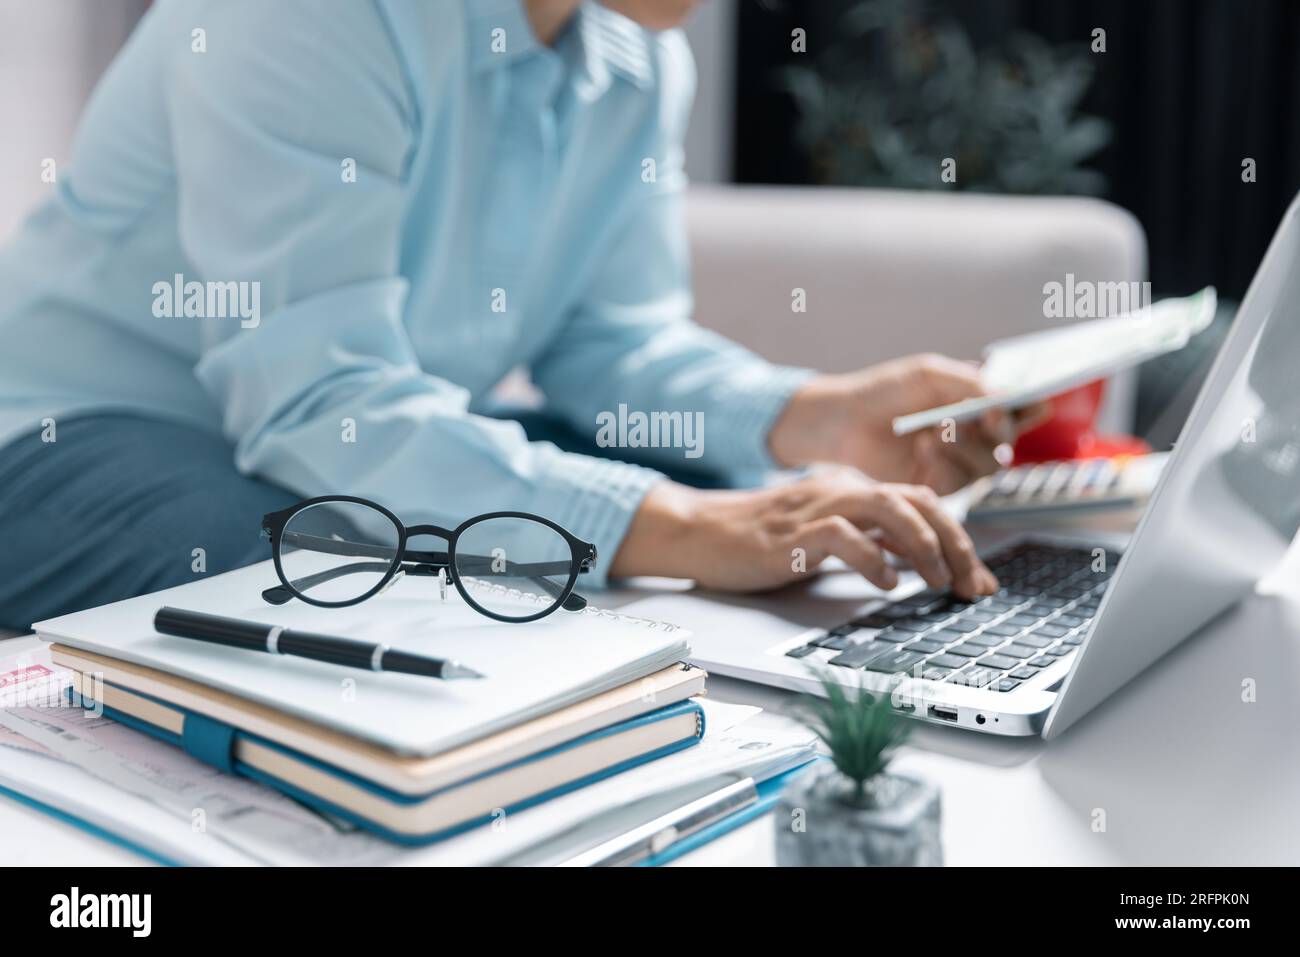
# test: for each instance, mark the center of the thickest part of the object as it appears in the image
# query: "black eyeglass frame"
(425, 563)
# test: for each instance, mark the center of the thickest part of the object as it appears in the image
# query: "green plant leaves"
(897, 93)
(860, 731)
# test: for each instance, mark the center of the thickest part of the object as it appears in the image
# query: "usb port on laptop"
(943, 714)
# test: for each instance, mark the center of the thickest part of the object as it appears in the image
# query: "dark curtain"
(1191, 88)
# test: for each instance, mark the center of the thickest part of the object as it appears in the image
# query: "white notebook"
(531, 669)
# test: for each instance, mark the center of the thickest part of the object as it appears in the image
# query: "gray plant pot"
(816, 828)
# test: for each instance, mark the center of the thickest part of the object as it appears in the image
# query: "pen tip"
(454, 669)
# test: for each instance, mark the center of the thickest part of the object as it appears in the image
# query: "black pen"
(276, 640)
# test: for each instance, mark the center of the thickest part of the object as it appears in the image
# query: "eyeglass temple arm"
(533, 570)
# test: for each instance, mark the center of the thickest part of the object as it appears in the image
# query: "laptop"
(1078, 613)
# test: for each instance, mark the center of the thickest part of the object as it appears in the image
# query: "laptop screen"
(1228, 504)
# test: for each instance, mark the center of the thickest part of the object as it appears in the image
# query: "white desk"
(1185, 771)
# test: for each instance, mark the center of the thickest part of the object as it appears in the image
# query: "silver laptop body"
(1225, 510)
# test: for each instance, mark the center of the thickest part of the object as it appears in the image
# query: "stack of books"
(565, 701)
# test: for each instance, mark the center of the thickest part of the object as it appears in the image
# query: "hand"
(758, 539)
(848, 419)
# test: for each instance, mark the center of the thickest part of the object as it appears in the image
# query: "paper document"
(760, 747)
(1022, 370)
(155, 796)
(153, 793)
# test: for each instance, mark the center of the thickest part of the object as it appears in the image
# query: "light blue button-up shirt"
(387, 206)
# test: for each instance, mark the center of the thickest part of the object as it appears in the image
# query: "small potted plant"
(849, 811)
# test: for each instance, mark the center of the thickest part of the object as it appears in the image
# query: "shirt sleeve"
(293, 133)
(631, 343)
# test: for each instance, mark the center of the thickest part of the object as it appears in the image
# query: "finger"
(971, 577)
(997, 426)
(836, 535)
(949, 380)
(904, 526)
(934, 467)
(948, 466)
(974, 454)
(1031, 416)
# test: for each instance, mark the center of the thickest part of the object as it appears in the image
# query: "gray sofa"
(886, 273)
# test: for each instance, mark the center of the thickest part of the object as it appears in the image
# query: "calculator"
(1122, 482)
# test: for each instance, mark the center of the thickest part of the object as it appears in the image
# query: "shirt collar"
(613, 43)
(603, 42)
(499, 33)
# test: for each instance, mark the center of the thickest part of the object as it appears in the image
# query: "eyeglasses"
(524, 560)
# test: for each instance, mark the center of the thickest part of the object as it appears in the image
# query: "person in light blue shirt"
(298, 244)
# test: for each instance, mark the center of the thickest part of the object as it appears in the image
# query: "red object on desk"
(1070, 432)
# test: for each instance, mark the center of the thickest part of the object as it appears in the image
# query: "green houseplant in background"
(850, 810)
(898, 92)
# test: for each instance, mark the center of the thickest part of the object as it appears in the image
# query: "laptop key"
(1005, 631)
(1069, 621)
(1051, 631)
(945, 636)
(1059, 650)
(900, 660)
(935, 617)
(925, 646)
(834, 642)
(1018, 651)
(1021, 621)
(985, 639)
(998, 662)
(912, 624)
(924, 602)
(803, 651)
(1072, 640)
(998, 605)
(948, 661)
(859, 655)
(874, 620)
(1006, 684)
(1032, 640)
(1024, 672)
(935, 674)
(1043, 661)
(895, 635)
(975, 677)
(894, 612)
(962, 626)
(968, 650)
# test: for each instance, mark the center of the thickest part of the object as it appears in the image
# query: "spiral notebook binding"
(478, 584)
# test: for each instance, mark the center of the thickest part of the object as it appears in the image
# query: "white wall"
(51, 54)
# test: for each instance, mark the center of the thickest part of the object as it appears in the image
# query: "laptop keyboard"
(1047, 596)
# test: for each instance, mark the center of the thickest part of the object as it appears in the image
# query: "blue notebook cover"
(214, 743)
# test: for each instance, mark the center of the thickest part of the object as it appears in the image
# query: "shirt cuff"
(747, 405)
(595, 500)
